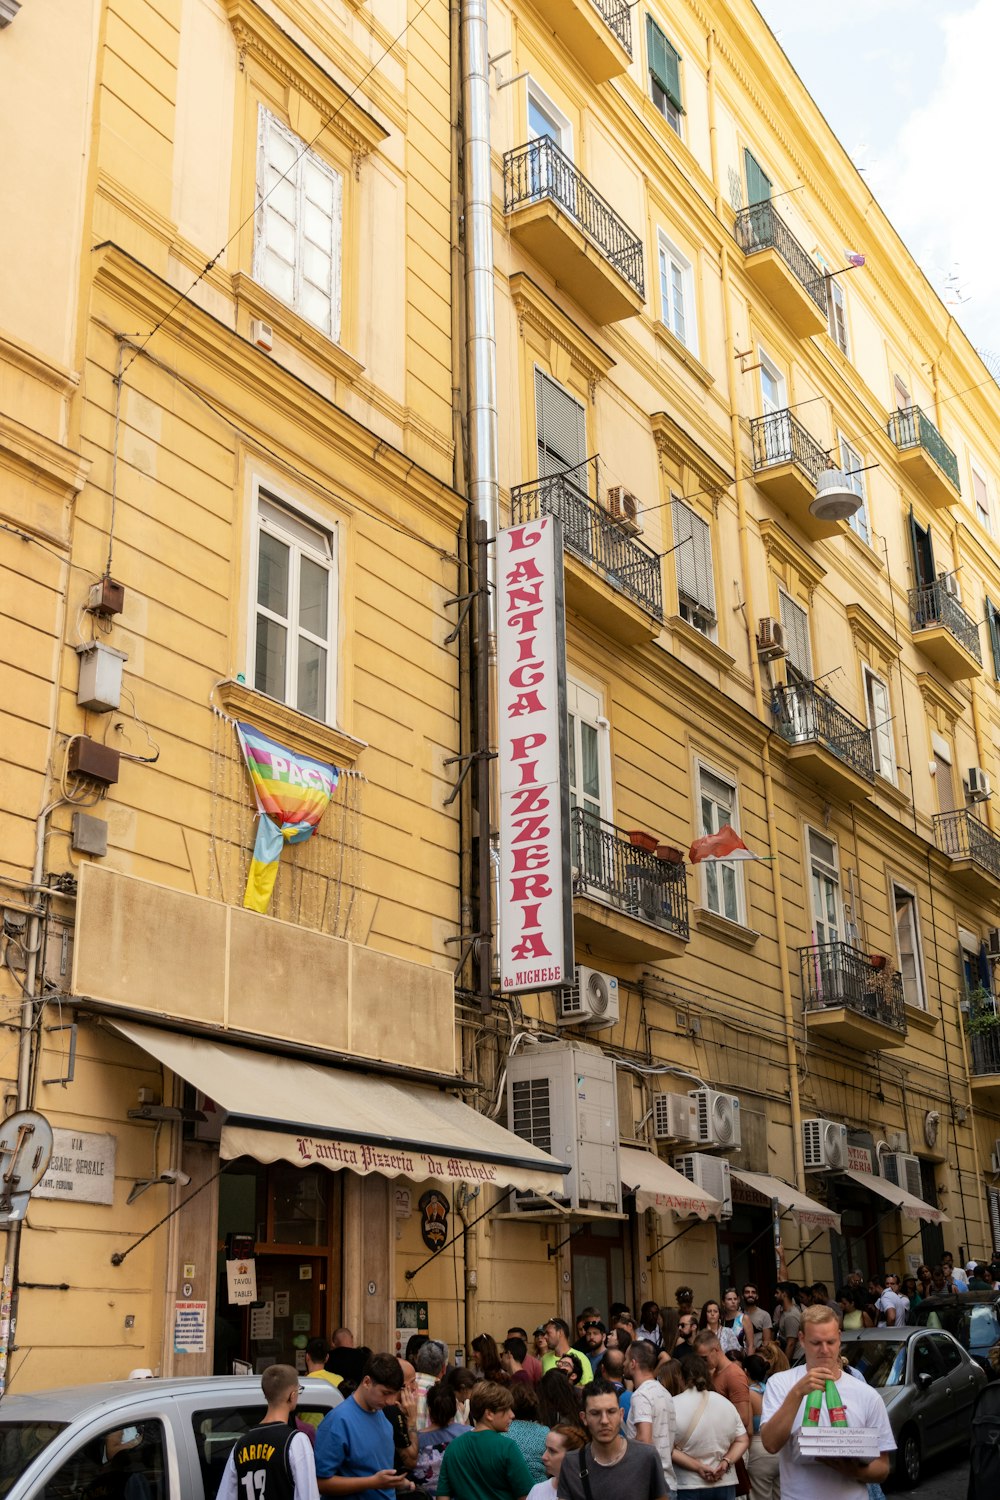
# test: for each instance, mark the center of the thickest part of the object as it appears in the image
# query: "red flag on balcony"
(726, 844)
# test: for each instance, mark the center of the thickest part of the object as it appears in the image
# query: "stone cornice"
(44, 462)
(31, 362)
(941, 705)
(533, 306)
(674, 442)
(298, 730)
(865, 628)
(778, 544)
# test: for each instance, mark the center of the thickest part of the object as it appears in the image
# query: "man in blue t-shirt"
(354, 1448)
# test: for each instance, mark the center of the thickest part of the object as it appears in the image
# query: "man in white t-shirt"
(894, 1285)
(889, 1307)
(651, 1417)
(784, 1406)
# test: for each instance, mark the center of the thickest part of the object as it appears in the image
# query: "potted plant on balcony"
(982, 1015)
(669, 855)
(640, 840)
(877, 960)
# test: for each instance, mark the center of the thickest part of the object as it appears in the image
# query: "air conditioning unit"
(675, 1117)
(711, 1174)
(824, 1146)
(718, 1119)
(591, 1000)
(978, 784)
(993, 942)
(949, 583)
(902, 1170)
(563, 1098)
(624, 508)
(770, 639)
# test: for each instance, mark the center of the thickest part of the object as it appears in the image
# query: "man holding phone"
(354, 1443)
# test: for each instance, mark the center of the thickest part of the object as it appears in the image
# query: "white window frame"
(881, 729)
(586, 704)
(826, 869)
(836, 302)
(563, 128)
(671, 260)
(901, 388)
(704, 769)
(920, 978)
(850, 459)
(266, 501)
(777, 375)
(978, 472)
(268, 123)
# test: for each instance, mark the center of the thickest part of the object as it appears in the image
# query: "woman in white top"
(711, 1318)
(710, 1437)
(560, 1441)
(735, 1321)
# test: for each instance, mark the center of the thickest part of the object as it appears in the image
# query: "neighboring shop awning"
(656, 1185)
(913, 1208)
(803, 1210)
(285, 1109)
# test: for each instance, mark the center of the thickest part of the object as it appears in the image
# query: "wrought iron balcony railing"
(592, 533)
(984, 1052)
(631, 880)
(780, 438)
(804, 712)
(836, 975)
(617, 16)
(961, 835)
(934, 604)
(761, 227)
(913, 429)
(539, 170)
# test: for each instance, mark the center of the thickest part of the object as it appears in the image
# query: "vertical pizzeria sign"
(536, 910)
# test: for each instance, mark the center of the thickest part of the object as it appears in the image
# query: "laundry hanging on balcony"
(726, 844)
(292, 793)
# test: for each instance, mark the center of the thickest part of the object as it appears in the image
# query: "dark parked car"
(972, 1317)
(929, 1385)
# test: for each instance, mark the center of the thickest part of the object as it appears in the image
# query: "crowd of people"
(674, 1401)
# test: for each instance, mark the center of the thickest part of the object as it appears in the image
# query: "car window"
(20, 1442)
(215, 1432)
(123, 1463)
(881, 1361)
(949, 1354)
(925, 1361)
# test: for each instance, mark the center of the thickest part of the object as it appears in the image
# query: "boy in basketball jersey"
(272, 1461)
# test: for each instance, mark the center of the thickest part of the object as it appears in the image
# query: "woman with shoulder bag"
(710, 1438)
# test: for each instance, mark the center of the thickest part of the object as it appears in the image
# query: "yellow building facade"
(233, 382)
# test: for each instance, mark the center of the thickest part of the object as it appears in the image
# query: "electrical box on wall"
(107, 597)
(93, 760)
(100, 685)
(88, 835)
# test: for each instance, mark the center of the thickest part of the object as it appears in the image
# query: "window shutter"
(758, 182)
(562, 428)
(664, 63)
(795, 621)
(993, 620)
(695, 579)
(880, 724)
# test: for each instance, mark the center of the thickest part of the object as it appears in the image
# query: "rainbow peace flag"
(292, 793)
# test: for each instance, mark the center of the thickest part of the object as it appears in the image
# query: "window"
(851, 463)
(824, 884)
(693, 564)
(589, 755)
(561, 424)
(294, 611)
(677, 306)
(664, 63)
(837, 314)
(717, 806)
(982, 493)
(758, 182)
(993, 621)
(901, 393)
(943, 778)
(879, 708)
(908, 947)
(103, 1465)
(795, 623)
(216, 1433)
(922, 546)
(297, 228)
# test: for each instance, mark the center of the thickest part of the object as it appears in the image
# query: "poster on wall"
(536, 898)
(190, 1327)
(411, 1318)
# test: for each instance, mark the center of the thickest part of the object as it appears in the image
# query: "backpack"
(984, 1458)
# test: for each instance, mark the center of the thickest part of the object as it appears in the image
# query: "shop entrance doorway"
(746, 1251)
(598, 1265)
(294, 1216)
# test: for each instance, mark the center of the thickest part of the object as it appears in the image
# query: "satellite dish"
(25, 1152)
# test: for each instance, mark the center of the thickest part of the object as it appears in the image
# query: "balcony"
(612, 579)
(943, 631)
(973, 850)
(628, 906)
(925, 456)
(780, 268)
(984, 1066)
(850, 999)
(598, 33)
(564, 224)
(827, 744)
(787, 462)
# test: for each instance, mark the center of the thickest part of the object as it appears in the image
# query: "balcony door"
(824, 886)
(589, 784)
(560, 428)
(923, 553)
(908, 946)
(774, 399)
(545, 121)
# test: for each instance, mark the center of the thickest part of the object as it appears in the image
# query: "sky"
(909, 87)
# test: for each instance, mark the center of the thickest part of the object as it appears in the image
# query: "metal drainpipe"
(779, 902)
(481, 362)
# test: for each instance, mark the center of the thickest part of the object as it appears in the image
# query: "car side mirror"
(925, 1380)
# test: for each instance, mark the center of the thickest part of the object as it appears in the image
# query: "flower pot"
(640, 840)
(877, 960)
(669, 855)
